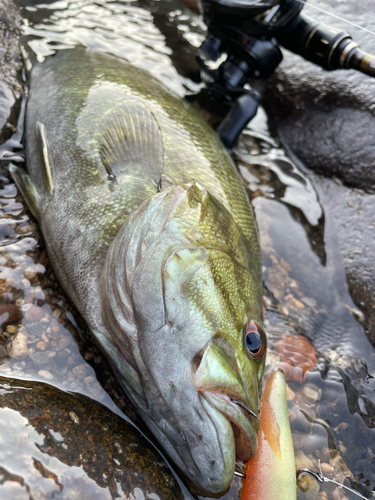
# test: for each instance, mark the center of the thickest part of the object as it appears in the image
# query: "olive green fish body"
(151, 234)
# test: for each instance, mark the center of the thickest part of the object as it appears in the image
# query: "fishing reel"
(247, 35)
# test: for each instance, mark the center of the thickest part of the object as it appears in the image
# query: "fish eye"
(255, 340)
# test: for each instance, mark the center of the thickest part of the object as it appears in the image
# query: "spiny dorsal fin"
(131, 143)
(47, 165)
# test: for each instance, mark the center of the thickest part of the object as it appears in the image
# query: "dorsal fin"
(131, 143)
(47, 165)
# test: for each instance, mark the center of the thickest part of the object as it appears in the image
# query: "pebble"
(51, 354)
(26, 307)
(89, 355)
(324, 454)
(12, 329)
(45, 374)
(42, 346)
(64, 342)
(326, 468)
(26, 283)
(289, 393)
(29, 274)
(79, 371)
(312, 392)
(309, 486)
(34, 313)
(338, 494)
(57, 312)
(74, 417)
(342, 448)
(18, 348)
(35, 328)
(309, 301)
(336, 460)
(302, 461)
(40, 358)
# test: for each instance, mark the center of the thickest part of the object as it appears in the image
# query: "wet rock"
(40, 358)
(45, 453)
(309, 486)
(41, 345)
(35, 328)
(327, 469)
(34, 314)
(11, 329)
(311, 392)
(327, 118)
(302, 461)
(353, 214)
(18, 348)
(46, 374)
(297, 356)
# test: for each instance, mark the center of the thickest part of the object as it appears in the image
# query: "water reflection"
(124, 29)
(331, 405)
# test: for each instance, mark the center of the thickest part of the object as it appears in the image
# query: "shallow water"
(332, 408)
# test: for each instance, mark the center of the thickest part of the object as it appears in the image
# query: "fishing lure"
(275, 456)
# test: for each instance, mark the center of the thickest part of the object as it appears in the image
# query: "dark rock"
(327, 120)
(3, 352)
(9, 314)
(56, 445)
(354, 215)
(10, 68)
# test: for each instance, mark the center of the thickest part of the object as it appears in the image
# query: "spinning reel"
(249, 34)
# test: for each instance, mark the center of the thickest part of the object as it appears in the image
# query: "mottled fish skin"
(151, 234)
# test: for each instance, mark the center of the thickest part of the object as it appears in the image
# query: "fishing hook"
(240, 474)
(244, 407)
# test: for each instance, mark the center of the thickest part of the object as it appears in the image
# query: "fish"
(151, 234)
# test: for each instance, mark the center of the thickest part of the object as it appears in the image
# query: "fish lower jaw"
(244, 434)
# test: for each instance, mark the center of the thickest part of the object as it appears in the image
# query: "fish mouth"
(245, 437)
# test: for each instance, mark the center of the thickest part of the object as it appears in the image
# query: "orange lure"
(271, 474)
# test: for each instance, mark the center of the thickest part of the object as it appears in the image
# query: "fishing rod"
(245, 35)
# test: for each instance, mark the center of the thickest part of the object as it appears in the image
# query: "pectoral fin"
(27, 188)
(47, 165)
(131, 144)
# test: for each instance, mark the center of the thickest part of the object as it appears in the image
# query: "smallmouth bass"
(152, 236)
